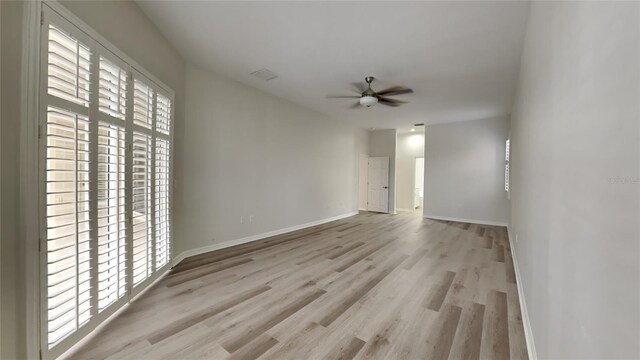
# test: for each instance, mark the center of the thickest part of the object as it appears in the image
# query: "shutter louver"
(113, 89)
(69, 63)
(162, 225)
(68, 223)
(163, 115)
(142, 104)
(141, 201)
(111, 215)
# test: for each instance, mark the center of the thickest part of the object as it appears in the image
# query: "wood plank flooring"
(372, 286)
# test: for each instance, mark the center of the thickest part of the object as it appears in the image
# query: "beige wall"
(253, 154)
(12, 303)
(575, 201)
(464, 171)
(122, 23)
(410, 146)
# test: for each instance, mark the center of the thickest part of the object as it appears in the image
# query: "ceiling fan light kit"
(368, 101)
(369, 97)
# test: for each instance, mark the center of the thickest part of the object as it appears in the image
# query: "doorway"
(418, 198)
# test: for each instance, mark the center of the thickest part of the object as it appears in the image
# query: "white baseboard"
(244, 240)
(96, 331)
(403, 209)
(472, 221)
(528, 334)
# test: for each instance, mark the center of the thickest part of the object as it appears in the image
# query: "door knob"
(385, 187)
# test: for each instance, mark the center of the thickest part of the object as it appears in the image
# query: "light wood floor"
(371, 286)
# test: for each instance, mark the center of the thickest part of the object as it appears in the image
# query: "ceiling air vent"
(264, 74)
(421, 124)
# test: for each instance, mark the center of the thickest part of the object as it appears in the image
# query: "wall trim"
(528, 333)
(472, 221)
(29, 226)
(217, 246)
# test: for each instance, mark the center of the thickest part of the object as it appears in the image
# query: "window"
(105, 139)
(506, 166)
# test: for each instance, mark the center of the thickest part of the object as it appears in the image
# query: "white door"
(378, 189)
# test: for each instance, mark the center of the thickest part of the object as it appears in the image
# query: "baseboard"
(472, 221)
(96, 331)
(403, 209)
(528, 334)
(248, 239)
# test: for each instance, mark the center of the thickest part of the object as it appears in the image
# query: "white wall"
(383, 143)
(250, 153)
(575, 178)
(464, 171)
(410, 146)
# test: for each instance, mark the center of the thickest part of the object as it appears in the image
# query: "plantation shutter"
(69, 67)
(143, 105)
(113, 89)
(506, 165)
(162, 202)
(68, 223)
(105, 182)
(142, 231)
(112, 225)
(67, 153)
(163, 120)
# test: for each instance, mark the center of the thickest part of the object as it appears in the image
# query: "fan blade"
(343, 96)
(355, 106)
(396, 90)
(390, 102)
(359, 87)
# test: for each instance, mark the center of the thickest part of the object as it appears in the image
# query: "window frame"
(53, 13)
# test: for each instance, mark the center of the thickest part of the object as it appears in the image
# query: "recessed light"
(412, 130)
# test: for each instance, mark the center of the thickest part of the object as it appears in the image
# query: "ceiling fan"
(368, 97)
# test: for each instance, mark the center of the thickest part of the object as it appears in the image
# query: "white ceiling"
(460, 58)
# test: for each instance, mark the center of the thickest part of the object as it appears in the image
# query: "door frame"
(414, 181)
(366, 186)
